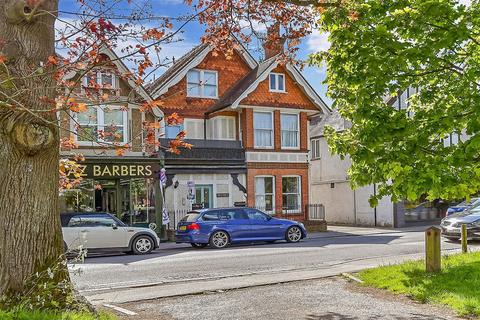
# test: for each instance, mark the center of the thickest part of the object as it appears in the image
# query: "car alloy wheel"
(219, 240)
(142, 245)
(294, 234)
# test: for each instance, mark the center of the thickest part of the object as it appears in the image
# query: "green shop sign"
(120, 170)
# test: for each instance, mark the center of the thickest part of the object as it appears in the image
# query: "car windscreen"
(190, 217)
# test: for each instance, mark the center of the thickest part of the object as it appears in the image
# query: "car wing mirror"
(114, 226)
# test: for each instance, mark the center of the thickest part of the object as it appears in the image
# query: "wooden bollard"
(433, 258)
(464, 238)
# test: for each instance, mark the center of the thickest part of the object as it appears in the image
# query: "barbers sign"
(119, 170)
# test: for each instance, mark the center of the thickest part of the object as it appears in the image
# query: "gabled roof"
(332, 119)
(139, 89)
(188, 61)
(233, 97)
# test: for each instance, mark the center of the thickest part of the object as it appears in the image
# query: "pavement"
(326, 299)
(179, 270)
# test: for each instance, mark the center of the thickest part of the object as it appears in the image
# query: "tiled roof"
(236, 91)
(176, 67)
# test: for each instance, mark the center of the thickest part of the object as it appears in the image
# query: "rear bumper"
(191, 238)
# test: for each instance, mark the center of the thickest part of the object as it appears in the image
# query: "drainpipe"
(355, 206)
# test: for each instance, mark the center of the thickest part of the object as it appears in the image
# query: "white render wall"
(176, 198)
(329, 186)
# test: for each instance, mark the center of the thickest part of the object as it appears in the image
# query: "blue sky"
(193, 31)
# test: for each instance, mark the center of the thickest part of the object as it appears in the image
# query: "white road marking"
(119, 309)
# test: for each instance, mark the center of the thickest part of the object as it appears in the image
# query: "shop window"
(264, 193)
(263, 129)
(202, 84)
(277, 82)
(291, 202)
(290, 133)
(102, 124)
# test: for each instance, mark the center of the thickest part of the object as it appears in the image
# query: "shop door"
(204, 195)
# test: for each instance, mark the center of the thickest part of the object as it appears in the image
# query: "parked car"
(452, 225)
(104, 232)
(462, 206)
(223, 226)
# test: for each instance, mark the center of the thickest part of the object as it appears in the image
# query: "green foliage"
(456, 286)
(47, 290)
(382, 47)
(44, 315)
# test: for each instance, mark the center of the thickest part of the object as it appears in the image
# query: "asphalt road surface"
(180, 269)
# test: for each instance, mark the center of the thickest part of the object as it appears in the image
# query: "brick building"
(125, 185)
(248, 123)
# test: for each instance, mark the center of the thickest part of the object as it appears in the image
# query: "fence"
(314, 212)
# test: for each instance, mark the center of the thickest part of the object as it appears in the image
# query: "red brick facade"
(230, 71)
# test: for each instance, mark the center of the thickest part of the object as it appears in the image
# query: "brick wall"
(230, 71)
(293, 98)
(278, 170)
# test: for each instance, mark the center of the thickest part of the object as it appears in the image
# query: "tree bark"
(30, 230)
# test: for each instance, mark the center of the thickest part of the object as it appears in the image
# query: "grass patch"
(456, 286)
(45, 315)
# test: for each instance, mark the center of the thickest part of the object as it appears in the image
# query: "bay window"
(264, 193)
(291, 202)
(202, 84)
(223, 128)
(102, 124)
(290, 133)
(263, 129)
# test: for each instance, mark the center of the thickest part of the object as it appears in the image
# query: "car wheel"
(199, 245)
(142, 245)
(294, 234)
(219, 240)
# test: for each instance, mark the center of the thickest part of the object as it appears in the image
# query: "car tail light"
(193, 226)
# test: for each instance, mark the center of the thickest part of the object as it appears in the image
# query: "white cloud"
(318, 42)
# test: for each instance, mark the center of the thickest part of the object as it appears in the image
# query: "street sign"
(191, 190)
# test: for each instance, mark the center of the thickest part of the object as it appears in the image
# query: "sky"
(193, 31)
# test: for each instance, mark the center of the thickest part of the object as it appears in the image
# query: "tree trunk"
(30, 230)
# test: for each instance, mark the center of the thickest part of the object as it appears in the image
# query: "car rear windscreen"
(190, 217)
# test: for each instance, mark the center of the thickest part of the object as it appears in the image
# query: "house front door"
(204, 195)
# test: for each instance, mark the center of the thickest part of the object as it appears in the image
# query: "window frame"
(315, 149)
(272, 136)
(264, 194)
(277, 76)
(202, 84)
(216, 122)
(101, 126)
(298, 131)
(299, 195)
(98, 75)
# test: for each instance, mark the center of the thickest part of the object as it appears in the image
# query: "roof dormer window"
(103, 79)
(202, 84)
(277, 82)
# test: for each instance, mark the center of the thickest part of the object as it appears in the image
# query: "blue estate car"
(465, 205)
(222, 226)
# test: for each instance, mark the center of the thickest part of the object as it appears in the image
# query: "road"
(180, 269)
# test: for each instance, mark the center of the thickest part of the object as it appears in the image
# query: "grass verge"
(45, 315)
(456, 286)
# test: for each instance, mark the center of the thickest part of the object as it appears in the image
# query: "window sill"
(198, 97)
(278, 91)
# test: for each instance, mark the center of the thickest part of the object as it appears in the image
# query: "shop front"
(126, 188)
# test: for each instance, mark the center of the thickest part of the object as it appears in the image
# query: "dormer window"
(277, 82)
(202, 84)
(104, 79)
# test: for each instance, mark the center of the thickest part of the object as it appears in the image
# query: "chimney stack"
(274, 42)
